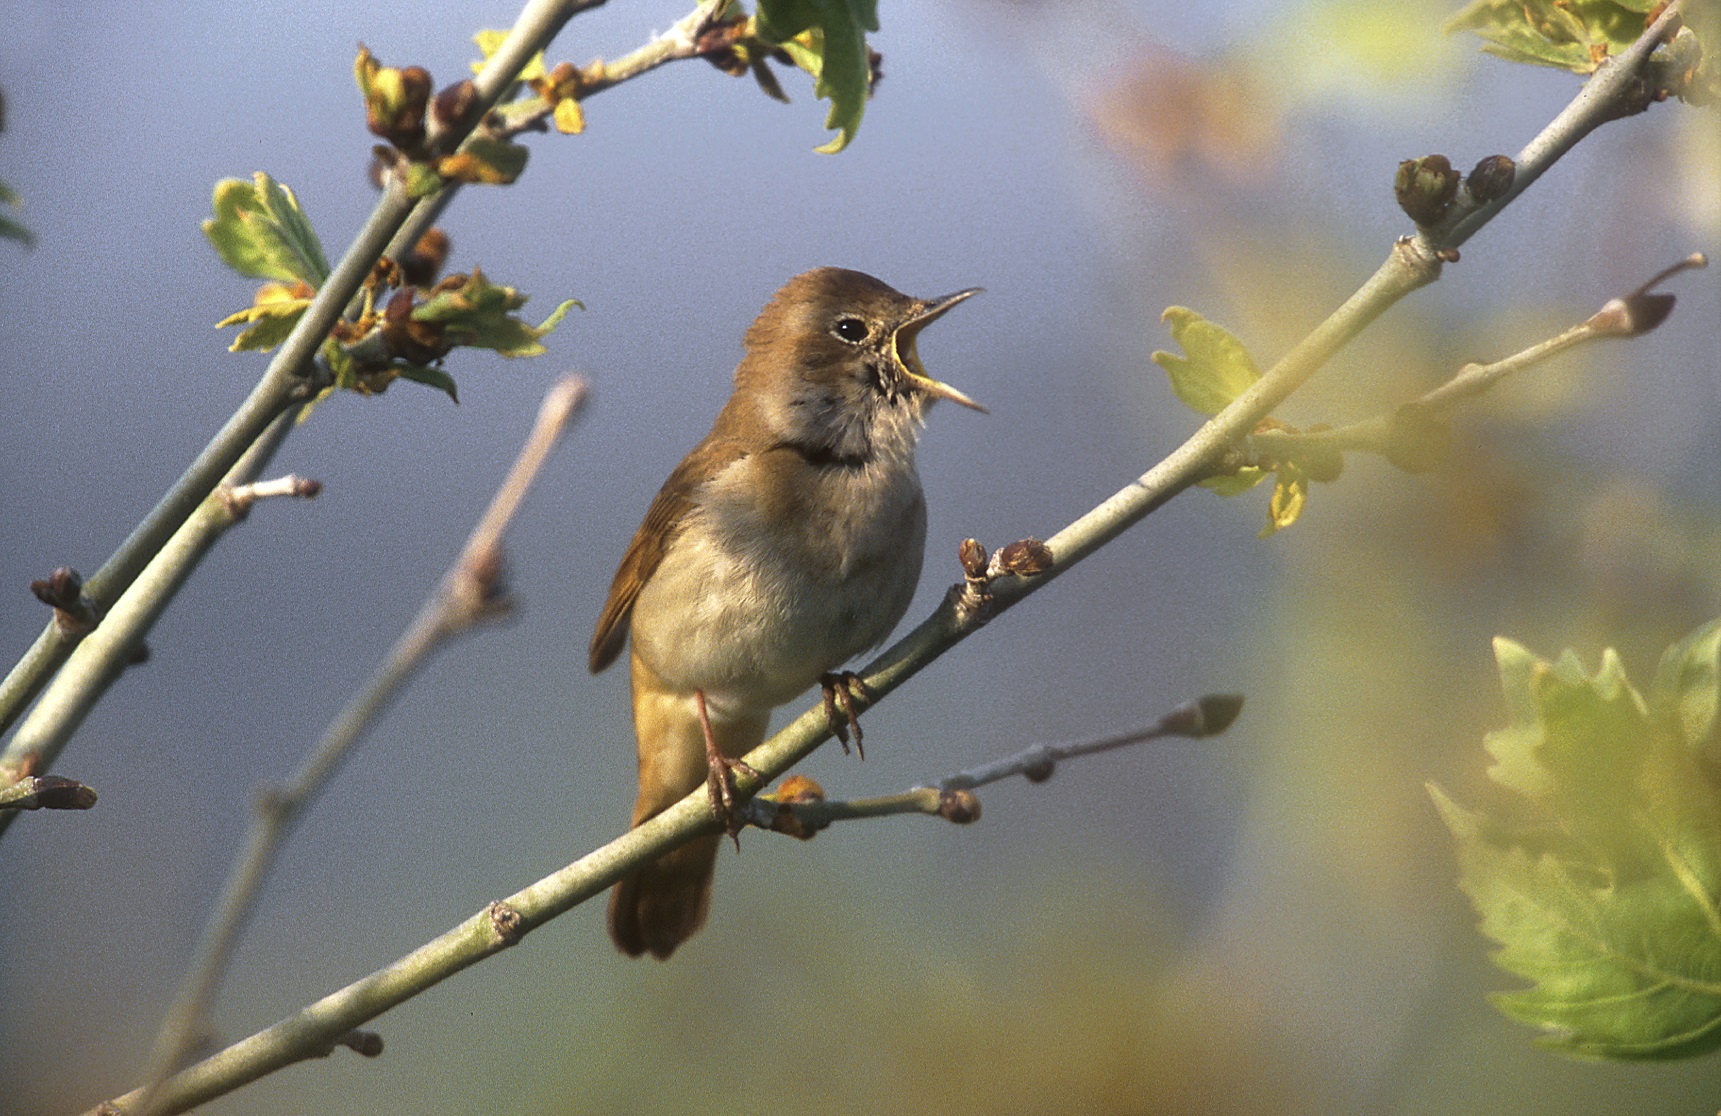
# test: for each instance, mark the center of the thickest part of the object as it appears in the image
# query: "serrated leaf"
(259, 230)
(276, 311)
(1609, 899)
(1290, 494)
(1217, 368)
(476, 313)
(489, 41)
(827, 39)
(1688, 686)
(432, 377)
(1568, 34)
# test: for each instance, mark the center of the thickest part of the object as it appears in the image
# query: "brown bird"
(788, 542)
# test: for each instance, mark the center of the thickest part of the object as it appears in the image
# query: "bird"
(784, 544)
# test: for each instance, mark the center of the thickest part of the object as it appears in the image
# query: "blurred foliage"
(1606, 896)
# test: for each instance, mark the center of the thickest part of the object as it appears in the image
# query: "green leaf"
(827, 39)
(1568, 34)
(422, 374)
(1688, 686)
(475, 313)
(1605, 892)
(276, 311)
(1217, 368)
(259, 229)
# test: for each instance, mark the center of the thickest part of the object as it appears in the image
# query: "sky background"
(1268, 920)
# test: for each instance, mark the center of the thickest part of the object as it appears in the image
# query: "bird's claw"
(844, 688)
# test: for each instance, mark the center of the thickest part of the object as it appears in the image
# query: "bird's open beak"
(929, 312)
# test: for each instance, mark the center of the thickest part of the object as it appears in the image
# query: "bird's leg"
(720, 775)
(842, 688)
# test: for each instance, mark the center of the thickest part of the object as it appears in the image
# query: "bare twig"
(1631, 315)
(800, 809)
(470, 592)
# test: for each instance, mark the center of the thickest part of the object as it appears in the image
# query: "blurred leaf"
(433, 377)
(827, 39)
(10, 229)
(1609, 898)
(1290, 493)
(493, 162)
(475, 312)
(259, 229)
(1217, 368)
(1572, 35)
(1235, 484)
(276, 311)
(488, 41)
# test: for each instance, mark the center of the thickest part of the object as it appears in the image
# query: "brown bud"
(798, 788)
(452, 104)
(958, 806)
(1320, 462)
(59, 589)
(1491, 179)
(1025, 558)
(973, 558)
(1218, 711)
(1425, 188)
(507, 922)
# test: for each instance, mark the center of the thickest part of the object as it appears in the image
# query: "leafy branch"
(988, 588)
(282, 248)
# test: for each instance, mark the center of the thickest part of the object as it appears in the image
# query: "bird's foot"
(720, 777)
(843, 688)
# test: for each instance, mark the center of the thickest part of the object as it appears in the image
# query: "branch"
(470, 593)
(1412, 263)
(289, 378)
(800, 809)
(1404, 435)
(103, 655)
(47, 792)
(395, 225)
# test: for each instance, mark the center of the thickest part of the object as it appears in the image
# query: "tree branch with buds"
(471, 593)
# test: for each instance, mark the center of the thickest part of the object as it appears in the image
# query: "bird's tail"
(656, 908)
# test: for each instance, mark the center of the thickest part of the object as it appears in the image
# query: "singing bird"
(788, 542)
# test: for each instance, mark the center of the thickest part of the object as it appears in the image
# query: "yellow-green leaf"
(1568, 34)
(259, 229)
(494, 162)
(1217, 368)
(1290, 493)
(489, 41)
(1235, 484)
(275, 312)
(827, 39)
(476, 313)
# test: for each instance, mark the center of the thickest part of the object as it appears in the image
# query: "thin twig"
(47, 792)
(1409, 266)
(469, 593)
(1629, 316)
(800, 810)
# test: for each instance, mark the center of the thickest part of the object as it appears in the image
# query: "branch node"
(238, 500)
(959, 806)
(63, 591)
(507, 923)
(1040, 764)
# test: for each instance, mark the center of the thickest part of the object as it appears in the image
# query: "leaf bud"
(1425, 188)
(1491, 179)
(958, 806)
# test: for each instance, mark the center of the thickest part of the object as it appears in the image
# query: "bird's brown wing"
(663, 521)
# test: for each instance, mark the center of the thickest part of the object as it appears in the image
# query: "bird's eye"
(852, 330)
